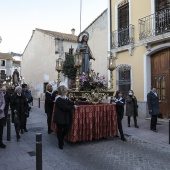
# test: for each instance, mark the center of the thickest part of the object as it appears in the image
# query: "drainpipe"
(109, 34)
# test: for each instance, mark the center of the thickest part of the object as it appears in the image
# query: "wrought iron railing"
(155, 24)
(123, 37)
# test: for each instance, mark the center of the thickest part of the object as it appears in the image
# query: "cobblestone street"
(104, 154)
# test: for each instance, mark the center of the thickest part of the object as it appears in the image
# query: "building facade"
(98, 42)
(6, 62)
(139, 36)
(39, 58)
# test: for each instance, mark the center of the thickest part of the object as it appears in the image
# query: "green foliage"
(68, 67)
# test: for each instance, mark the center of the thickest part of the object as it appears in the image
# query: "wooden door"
(160, 77)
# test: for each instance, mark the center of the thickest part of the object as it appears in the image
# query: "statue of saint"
(85, 49)
(15, 77)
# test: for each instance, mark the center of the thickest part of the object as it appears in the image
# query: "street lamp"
(59, 67)
(111, 66)
(78, 63)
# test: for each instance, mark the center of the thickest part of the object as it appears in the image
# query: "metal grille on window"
(124, 82)
(162, 16)
(160, 87)
(161, 4)
(123, 25)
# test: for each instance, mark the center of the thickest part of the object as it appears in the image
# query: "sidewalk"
(76, 156)
(145, 134)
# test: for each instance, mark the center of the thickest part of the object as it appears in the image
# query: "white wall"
(39, 61)
(98, 42)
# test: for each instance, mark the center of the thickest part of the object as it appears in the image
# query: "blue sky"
(19, 17)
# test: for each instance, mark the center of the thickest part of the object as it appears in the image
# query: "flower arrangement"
(92, 82)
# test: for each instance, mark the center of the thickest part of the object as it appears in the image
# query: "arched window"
(124, 78)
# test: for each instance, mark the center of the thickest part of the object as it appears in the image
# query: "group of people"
(18, 99)
(132, 109)
(62, 108)
(58, 105)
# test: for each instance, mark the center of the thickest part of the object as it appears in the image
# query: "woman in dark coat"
(120, 102)
(49, 102)
(132, 108)
(62, 114)
(19, 105)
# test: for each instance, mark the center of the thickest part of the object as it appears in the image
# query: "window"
(2, 74)
(45, 85)
(71, 51)
(2, 62)
(162, 16)
(161, 5)
(123, 25)
(124, 81)
(123, 16)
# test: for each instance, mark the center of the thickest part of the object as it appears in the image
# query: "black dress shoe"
(2, 145)
(136, 126)
(123, 138)
(128, 125)
(18, 137)
(22, 131)
(155, 130)
(25, 130)
(60, 147)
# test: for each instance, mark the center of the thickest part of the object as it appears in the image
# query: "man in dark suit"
(153, 105)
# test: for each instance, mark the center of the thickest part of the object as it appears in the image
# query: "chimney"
(73, 31)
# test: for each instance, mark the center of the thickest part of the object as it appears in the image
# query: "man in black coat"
(153, 105)
(49, 102)
(62, 114)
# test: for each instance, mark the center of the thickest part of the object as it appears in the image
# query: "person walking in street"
(49, 103)
(11, 92)
(19, 105)
(120, 102)
(2, 117)
(131, 108)
(153, 106)
(7, 102)
(29, 99)
(62, 114)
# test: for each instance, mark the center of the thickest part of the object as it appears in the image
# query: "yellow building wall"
(137, 75)
(137, 10)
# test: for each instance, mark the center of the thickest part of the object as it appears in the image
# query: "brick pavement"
(144, 149)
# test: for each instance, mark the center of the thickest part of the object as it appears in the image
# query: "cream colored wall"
(140, 9)
(39, 60)
(137, 73)
(137, 9)
(98, 42)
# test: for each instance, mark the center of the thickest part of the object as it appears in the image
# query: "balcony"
(123, 37)
(155, 27)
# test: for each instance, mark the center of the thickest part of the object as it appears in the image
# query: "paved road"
(106, 154)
